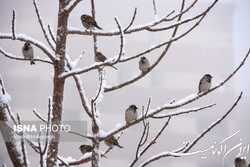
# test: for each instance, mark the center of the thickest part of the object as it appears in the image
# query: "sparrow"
(144, 64)
(28, 52)
(85, 148)
(88, 22)
(205, 83)
(131, 114)
(111, 142)
(99, 57)
(239, 162)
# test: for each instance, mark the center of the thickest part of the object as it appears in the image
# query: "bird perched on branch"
(240, 162)
(28, 52)
(88, 22)
(99, 57)
(85, 148)
(144, 64)
(131, 114)
(111, 142)
(205, 83)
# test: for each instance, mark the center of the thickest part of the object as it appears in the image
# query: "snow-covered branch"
(189, 146)
(16, 154)
(25, 38)
(122, 41)
(213, 125)
(45, 32)
(78, 81)
(72, 30)
(11, 56)
(71, 5)
(182, 102)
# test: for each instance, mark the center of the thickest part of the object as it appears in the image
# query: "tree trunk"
(59, 68)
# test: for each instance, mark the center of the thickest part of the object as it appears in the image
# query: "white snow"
(4, 98)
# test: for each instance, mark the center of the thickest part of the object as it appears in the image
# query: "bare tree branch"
(132, 21)
(22, 37)
(13, 26)
(155, 9)
(51, 33)
(151, 143)
(179, 103)
(187, 149)
(213, 125)
(45, 33)
(22, 144)
(11, 56)
(129, 82)
(72, 30)
(183, 111)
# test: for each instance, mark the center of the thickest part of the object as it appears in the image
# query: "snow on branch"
(14, 149)
(189, 146)
(45, 32)
(122, 41)
(11, 56)
(177, 104)
(13, 25)
(25, 38)
(71, 5)
(77, 78)
(213, 125)
(136, 78)
(72, 30)
(23, 148)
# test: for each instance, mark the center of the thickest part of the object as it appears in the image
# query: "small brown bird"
(99, 57)
(205, 83)
(88, 22)
(144, 64)
(240, 162)
(131, 114)
(85, 148)
(111, 142)
(28, 52)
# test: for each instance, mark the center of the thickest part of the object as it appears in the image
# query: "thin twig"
(39, 116)
(122, 42)
(6, 54)
(155, 9)
(129, 82)
(213, 125)
(131, 30)
(132, 21)
(51, 33)
(22, 143)
(13, 27)
(23, 37)
(150, 144)
(182, 112)
(45, 33)
(189, 146)
(48, 123)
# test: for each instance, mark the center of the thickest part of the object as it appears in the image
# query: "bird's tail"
(98, 27)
